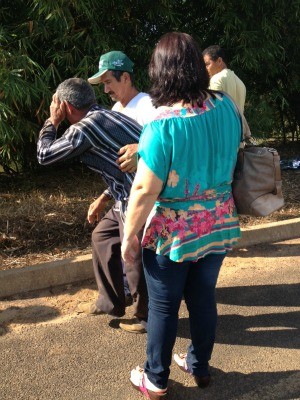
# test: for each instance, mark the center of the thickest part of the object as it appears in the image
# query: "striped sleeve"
(51, 150)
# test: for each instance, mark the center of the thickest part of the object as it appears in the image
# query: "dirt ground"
(60, 304)
(47, 306)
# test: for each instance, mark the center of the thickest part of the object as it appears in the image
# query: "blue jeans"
(167, 282)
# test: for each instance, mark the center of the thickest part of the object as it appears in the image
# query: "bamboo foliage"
(46, 41)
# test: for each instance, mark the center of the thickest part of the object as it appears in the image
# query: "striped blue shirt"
(96, 140)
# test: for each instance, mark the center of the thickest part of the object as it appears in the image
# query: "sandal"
(137, 379)
(201, 381)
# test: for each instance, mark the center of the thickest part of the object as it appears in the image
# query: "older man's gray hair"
(77, 92)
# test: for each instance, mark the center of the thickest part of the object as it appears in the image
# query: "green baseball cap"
(112, 61)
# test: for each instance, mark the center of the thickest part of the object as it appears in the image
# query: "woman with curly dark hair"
(183, 189)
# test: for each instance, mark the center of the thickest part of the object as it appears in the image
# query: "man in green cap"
(115, 72)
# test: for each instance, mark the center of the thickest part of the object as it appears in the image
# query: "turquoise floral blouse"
(193, 151)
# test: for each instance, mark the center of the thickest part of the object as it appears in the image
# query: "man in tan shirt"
(222, 78)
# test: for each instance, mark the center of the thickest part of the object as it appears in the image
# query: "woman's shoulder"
(169, 113)
(162, 112)
(179, 111)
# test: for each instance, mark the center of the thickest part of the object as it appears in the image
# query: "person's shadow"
(238, 386)
(283, 295)
(274, 329)
(25, 315)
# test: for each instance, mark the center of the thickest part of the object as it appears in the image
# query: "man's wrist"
(48, 129)
(107, 194)
(48, 122)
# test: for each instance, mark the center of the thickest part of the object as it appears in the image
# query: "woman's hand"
(130, 250)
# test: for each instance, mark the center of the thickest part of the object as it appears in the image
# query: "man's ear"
(126, 76)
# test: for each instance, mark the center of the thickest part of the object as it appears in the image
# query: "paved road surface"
(256, 356)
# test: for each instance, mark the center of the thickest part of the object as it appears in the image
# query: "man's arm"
(97, 206)
(216, 83)
(71, 144)
(51, 150)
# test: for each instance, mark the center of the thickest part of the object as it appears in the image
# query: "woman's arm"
(144, 192)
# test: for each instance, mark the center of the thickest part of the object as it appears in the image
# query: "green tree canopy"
(44, 42)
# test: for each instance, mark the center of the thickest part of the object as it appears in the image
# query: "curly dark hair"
(177, 71)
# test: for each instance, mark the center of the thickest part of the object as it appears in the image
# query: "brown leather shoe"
(133, 325)
(202, 381)
(88, 308)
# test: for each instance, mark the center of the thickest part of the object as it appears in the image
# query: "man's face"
(114, 88)
(213, 67)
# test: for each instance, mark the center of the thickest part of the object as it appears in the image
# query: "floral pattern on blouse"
(173, 178)
(183, 112)
(194, 214)
(179, 224)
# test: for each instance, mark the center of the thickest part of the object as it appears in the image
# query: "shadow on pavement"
(285, 295)
(268, 329)
(69, 288)
(281, 330)
(238, 386)
(25, 315)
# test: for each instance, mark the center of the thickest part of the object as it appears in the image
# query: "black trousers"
(108, 269)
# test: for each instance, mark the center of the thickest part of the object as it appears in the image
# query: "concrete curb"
(80, 268)
(46, 275)
(269, 233)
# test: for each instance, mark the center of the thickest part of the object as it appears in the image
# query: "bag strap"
(278, 181)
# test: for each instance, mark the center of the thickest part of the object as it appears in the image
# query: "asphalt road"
(256, 355)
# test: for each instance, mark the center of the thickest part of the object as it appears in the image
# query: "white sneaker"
(140, 382)
(180, 360)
